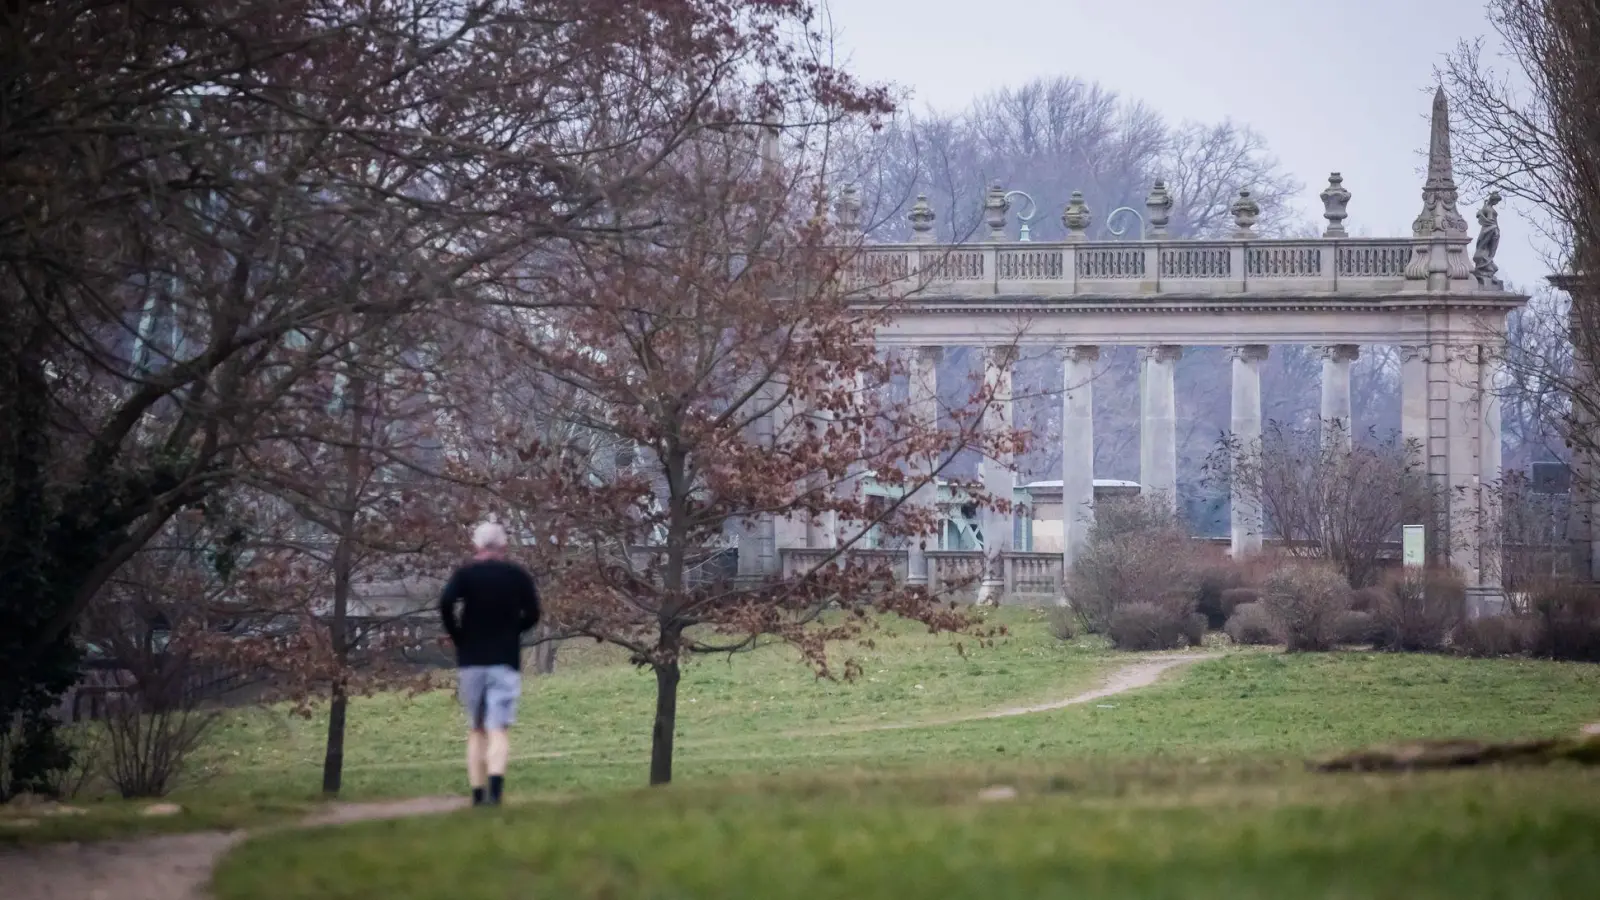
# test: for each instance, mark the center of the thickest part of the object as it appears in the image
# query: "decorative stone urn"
(1076, 217)
(1335, 200)
(1245, 213)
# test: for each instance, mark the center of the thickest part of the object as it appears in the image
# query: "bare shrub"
(1359, 627)
(1418, 609)
(1252, 623)
(1161, 625)
(150, 739)
(1137, 552)
(1234, 598)
(1493, 636)
(1567, 621)
(1063, 622)
(1213, 584)
(1307, 602)
(1366, 599)
(1342, 506)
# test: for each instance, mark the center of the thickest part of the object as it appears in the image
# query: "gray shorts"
(489, 695)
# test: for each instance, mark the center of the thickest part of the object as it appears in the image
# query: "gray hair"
(489, 536)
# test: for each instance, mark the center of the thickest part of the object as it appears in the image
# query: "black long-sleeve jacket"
(497, 602)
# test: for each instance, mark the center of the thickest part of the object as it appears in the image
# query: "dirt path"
(1128, 678)
(178, 867)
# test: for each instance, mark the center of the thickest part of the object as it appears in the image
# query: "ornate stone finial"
(995, 206)
(1439, 214)
(1483, 266)
(1245, 213)
(848, 209)
(1076, 217)
(921, 217)
(1335, 200)
(1159, 206)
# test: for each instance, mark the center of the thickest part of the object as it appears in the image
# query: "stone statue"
(1483, 267)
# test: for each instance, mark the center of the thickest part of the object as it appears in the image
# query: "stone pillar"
(1077, 449)
(790, 532)
(998, 476)
(757, 536)
(1582, 532)
(1336, 416)
(1245, 508)
(1464, 463)
(1158, 433)
(1414, 403)
(1491, 597)
(923, 376)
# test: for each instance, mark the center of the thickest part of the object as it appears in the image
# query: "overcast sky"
(1333, 85)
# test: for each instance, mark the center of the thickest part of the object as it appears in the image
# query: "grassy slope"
(1187, 789)
(763, 714)
(1195, 833)
(596, 713)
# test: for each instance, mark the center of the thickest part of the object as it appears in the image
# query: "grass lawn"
(1196, 832)
(588, 726)
(585, 730)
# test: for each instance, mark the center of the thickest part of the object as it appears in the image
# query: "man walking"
(497, 602)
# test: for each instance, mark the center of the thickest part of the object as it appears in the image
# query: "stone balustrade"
(1104, 268)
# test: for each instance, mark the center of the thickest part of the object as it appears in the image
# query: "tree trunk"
(544, 657)
(343, 573)
(666, 723)
(333, 756)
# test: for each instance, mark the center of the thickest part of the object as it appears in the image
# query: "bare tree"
(1533, 134)
(1323, 501)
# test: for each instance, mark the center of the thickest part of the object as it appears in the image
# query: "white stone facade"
(1244, 293)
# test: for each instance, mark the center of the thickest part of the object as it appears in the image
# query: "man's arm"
(447, 605)
(530, 605)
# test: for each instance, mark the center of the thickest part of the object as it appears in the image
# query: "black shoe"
(477, 797)
(497, 786)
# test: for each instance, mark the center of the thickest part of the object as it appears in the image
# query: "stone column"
(1158, 434)
(1490, 599)
(1245, 507)
(758, 536)
(1464, 463)
(1463, 424)
(791, 531)
(1583, 535)
(1414, 403)
(1336, 418)
(998, 476)
(924, 389)
(1077, 449)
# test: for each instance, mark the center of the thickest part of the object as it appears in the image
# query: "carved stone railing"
(797, 561)
(1033, 578)
(1030, 578)
(1065, 269)
(955, 573)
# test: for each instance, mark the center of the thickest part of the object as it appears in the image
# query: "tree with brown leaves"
(206, 202)
(722, 343)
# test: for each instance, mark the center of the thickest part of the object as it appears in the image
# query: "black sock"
(477, 796)
(497, 786)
